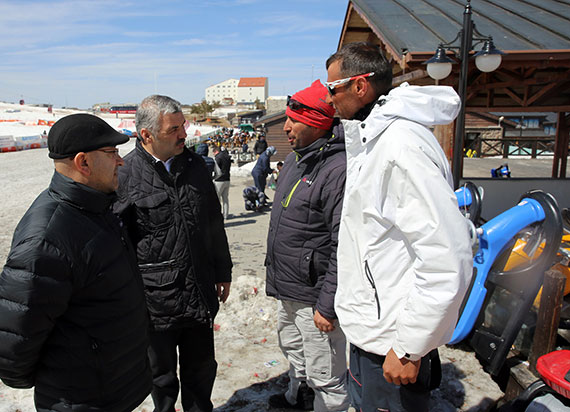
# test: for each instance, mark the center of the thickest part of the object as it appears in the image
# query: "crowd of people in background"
(237, 141)
(117, 271)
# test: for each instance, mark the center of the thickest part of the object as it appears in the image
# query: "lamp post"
(439, 67)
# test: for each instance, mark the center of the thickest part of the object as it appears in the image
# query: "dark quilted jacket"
(303, 230)
(174, 219)
(73, 319)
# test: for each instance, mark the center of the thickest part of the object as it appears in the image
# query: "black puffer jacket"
(303, 230)
(73, 319)
(224, 162)
(174, 219)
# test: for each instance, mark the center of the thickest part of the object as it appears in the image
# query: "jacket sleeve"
(124, 208)
(424, 208)
(333, 193)
(220, 248)
(35, 288)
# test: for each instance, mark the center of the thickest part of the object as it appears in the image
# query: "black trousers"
(369, 391)
(195, 347)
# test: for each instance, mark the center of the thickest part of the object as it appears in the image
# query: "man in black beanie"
(73, 318)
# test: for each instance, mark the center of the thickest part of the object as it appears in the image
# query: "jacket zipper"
(171, 264)
(373, 284)
(98, 367)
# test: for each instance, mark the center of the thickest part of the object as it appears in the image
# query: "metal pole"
(466, 45)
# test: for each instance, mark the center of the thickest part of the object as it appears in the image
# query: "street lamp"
(439, 67)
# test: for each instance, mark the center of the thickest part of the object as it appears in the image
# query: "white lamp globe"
(488, 62)
(438, 71)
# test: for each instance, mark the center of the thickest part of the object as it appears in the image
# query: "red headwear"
(319, 113)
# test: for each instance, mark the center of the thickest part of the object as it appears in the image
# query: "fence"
(533, 147)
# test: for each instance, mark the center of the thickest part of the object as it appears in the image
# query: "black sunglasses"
(295, 105)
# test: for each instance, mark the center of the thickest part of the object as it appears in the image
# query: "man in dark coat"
(260, 146)
(73, 319)
(169, 204)
(222, 178)
(301, 255)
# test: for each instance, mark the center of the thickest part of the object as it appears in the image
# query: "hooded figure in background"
(203, 150)
(262, 169)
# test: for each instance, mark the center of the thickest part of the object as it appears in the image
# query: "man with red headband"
(301, 255)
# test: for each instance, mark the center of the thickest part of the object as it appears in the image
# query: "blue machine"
(469, 200)
(497, 301)
(501, 171)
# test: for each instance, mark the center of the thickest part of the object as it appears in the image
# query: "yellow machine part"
(519, 257)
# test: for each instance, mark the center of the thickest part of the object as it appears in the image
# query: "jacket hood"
(427, 105)
(202, 149)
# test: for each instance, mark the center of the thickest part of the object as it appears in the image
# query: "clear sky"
(80, 52)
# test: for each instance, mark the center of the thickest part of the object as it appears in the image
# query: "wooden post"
(561, 146)
(548, 316)
(444, 135)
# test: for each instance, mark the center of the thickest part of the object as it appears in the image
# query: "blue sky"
(80, 52)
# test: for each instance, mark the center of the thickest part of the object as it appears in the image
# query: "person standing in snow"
(168, 202)
(404, 255)
(301, 255)
(71, 295)
(222, 178)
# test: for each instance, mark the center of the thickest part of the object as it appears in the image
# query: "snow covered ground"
(251, 366)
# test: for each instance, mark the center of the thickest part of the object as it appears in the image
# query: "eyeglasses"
(295, 105)
(331, 85)
(114, 152)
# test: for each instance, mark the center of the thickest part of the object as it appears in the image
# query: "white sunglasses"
(331, 85)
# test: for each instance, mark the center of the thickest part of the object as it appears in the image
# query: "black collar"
(363, 113)
(79, 195)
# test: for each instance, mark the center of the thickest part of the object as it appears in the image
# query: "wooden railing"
(511, 147)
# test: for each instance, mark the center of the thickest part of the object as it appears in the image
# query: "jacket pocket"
(370, 278)
(163, 288)
(307, 270)
(154, 211)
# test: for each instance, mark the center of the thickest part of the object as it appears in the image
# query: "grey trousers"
(316, 357)
(223, 190)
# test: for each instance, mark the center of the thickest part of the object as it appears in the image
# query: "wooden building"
(274, 134)
(534, 75)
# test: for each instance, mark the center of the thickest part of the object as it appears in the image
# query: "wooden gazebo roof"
(533, 77)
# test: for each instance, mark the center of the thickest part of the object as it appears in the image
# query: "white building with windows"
(233, 91)
(251, 89)
(228, 89)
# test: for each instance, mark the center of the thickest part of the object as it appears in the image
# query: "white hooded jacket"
(404, 255)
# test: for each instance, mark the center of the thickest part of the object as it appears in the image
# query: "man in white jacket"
(404, 255)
